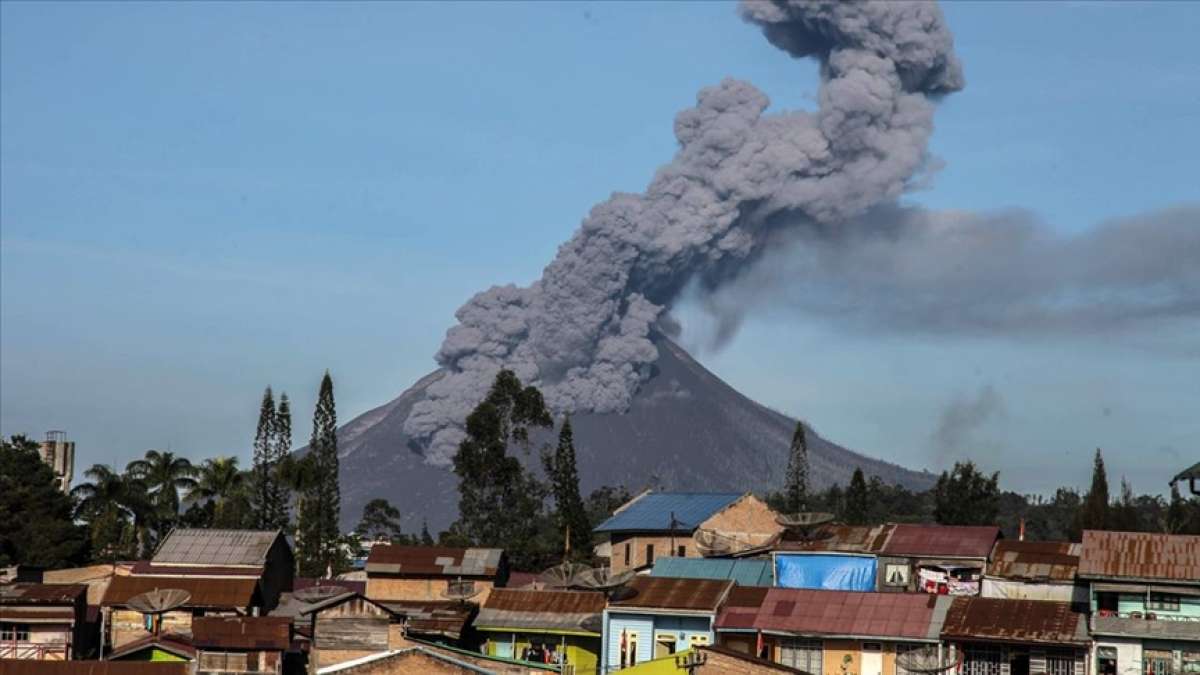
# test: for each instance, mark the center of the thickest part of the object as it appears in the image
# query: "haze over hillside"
(686, 429)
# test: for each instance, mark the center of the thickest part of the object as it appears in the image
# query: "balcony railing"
(40, 651)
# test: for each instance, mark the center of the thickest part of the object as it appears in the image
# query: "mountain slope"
(686, 429)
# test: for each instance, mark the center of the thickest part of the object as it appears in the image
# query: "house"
(1034, 570)
(835, 557)
(426, 573)
(711, 659)
(558, 627)
(241, 644)
(44, 621)
(659, 616)
(428, 659)
(1145, 601)
(164, 647)
(827, 632)
(681, 524)
(261, 554)
(348, 626)
(217, 596)
(1190, 477)
(746, 572)
(995, 636)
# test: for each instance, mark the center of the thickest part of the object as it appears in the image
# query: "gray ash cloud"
(740, 176)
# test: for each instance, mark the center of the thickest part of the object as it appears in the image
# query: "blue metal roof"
(744, 572)
(653, 512)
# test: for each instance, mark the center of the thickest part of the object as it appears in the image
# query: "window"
(1157, 662)
(697, 640)
(664, 645)
(14, 631)
(629, 642)
(1163, 601)
(981, 661)
(896, 574)
(627, 554)
(682, 551)
(229, 662)
(802, 654)
(1190, 663)
(649, 553)
(1060, 663)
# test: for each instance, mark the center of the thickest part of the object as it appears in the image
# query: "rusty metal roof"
(1140, 555)
(242, 632)
(840, 538)
(27, 593)
(542, 610)
(1024, 621)
(697, 595)
(447, 618)
(913, 616)
(223, 593)
(36, 667)
(48, 614)
(1035, 560)
(148, 568)
(941, 541)
(441, 561)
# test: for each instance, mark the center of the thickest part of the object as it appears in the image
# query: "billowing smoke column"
(581, 332)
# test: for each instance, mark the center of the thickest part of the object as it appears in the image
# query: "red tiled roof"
(1140, 555)
(704, 595)
(850, 613)
(242, 632)
(27, 593)
(221, 593)
(938, 541)
(1034, 560)
(1014, 621)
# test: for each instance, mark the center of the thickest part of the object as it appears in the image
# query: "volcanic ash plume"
(581, 332)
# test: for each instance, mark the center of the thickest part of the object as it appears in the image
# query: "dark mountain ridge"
(686, 430)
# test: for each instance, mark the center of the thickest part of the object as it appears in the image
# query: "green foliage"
(225, 494)
(570, 516)
(604, 501)
(164, 475)
(857, 509)
(319, 544)
(280, 495)
(796, 478)
(964, 496)
(119, 512)
(381, 521)
(36, 526)
(500, 503)
(426, 538)
(1095, 512)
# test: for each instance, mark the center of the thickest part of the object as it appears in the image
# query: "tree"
(964, 496)
(1125, 514)
(426, 538)
(115, 508)
(604, 501)
(164, 476)
(500, 504)
(319, 541)
(36, 525)
(281, 446)
(380, 521)
(223, 488)
(1095, 512)
(262, 492)
(858, 506)
(570, 516)
(796, 478)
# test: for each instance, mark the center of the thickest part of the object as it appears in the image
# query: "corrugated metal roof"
(744, 572)
(447, 618)
(357, 586)
(1035, 560)
(196, 546)
(1146, 628)
(1140, 555)
(840, 538)
(180, 645)
(1003, 620)
(941, 541)
(226, 593)
(242, 632)
(652, 512)
(702, 595)
(148, 568)
(35, 667)
(540, 610)
(1191, 473)
(27, 593)
(844, 613)
(426, 561)
(48, 614)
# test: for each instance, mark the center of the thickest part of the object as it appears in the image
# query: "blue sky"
(197, 200)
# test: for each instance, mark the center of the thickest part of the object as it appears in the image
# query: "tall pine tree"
(319, 544)
(1095, 512)
(281, 444)
(262, 492)
(796, 479)
(570, 516)
(857, 500)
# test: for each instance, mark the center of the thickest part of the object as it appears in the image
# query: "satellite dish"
(460, 590)
(159, 600)
(565, 575)
(315, 594)
(593, 623)
(804, 524)
(929, 659)
(711, 543)
(602, 579)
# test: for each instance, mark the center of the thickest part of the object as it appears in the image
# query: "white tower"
(59, 453)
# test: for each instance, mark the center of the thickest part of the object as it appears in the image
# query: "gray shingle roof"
(190, 546)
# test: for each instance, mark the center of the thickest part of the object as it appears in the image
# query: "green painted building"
(559, 628)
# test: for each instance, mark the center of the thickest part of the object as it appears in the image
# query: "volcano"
(686, 430)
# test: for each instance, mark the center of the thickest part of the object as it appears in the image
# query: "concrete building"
(59, 454)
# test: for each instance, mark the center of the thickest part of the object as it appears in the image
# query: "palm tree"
(164, 475)
(220, 482)
(111, 503)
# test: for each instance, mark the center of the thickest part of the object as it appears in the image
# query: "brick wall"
(384, 588)
(749, 520)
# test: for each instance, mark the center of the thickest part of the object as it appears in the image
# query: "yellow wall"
(582, 651)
